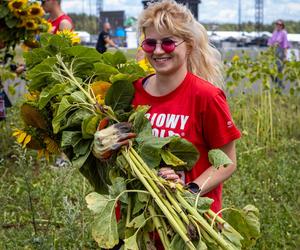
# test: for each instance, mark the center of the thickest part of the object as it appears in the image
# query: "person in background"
(58, 19)
(280, 42)
(104, 39)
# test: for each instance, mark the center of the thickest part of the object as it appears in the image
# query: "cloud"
(209, 10)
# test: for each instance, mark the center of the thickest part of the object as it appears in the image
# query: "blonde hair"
(204, 60)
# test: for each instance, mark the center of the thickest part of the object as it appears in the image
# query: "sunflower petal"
(27, 140)
(21, 137)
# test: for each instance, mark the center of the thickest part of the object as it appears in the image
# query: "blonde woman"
(185, 94)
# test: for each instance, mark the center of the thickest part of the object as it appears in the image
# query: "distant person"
(104, 39)
(58, 19)
(280, 42)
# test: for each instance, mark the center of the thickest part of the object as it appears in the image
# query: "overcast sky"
(209, 10)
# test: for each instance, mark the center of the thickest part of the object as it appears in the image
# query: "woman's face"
(166, 62)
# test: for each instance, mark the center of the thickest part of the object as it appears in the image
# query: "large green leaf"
(133, 70)
(185, 151)
(131, 242)
(104, 228)
(3, 11)
(35, 57)
(70, 138)
(150, 148)
(57, 44)
(76, 118)
(119, 186)
(172, 160)
(114, 59)
(119, 96)
(11, 21)
(85, 54)
(82, 147)
(203, 204)
(246, 222)
(218, 158)
(104, 71)
(137, 221)
(49, 92)
(141, 125)
(89, 126)
(63, 108)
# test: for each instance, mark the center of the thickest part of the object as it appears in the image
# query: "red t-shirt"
(197, 111)
(56, 22)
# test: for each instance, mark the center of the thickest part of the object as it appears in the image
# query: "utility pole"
(240, 16)
(259, 15)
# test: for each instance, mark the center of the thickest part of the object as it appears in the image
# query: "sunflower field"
(72, 88)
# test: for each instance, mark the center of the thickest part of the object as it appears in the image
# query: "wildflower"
(35, 10)
(235, 58)
(70, 35)
(14, 5)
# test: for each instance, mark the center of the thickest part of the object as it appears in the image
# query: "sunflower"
(30, 24)
(35, 10)
(51, 145)
(14, 5)
(21, 13)
(70, 35)
(32, 96)
(235, 58)
(22, 137)
(45, 26)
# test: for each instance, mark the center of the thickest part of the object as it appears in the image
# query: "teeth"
(161, 59)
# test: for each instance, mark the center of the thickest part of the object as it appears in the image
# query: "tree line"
(91, 24)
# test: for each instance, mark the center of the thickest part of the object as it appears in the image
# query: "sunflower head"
(32, 116)
(45, 26)
(30, 24)
(35, 10)
(21, 13)
(15, 5)
(31, 43)
(70, 35)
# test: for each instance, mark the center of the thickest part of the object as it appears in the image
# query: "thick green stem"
(155, 178)
(203, 223)
(158, 225)
(151, 177)
(158, 201)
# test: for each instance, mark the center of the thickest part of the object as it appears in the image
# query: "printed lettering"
(183, 120)
(172, 121)
(160, 121)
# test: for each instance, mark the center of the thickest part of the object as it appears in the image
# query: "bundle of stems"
(180, 214)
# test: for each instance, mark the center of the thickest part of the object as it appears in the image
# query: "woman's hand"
(170, 174)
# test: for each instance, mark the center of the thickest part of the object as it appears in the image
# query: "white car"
(85, 37)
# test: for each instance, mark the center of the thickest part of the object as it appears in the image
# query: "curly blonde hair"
(204, 60)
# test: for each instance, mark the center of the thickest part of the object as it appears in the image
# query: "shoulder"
(65, 24)
(203, 89)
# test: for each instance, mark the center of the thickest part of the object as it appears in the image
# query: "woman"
(281, 44)
(182, 96)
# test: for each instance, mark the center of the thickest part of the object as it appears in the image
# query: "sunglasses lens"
(168, 45)
(149, 45)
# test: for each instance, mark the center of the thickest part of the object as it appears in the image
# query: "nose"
(158, 49)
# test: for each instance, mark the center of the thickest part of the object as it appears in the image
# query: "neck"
(165, 84)
(57, 12)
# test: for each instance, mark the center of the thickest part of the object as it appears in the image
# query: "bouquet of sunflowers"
(74, 93)
(21, 20)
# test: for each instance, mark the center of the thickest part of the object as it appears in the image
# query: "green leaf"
(150, 148)
(178, 243)
(63, 108)
(89, 126)
(171, 160)
(104, 71)
(48, 93)
(70, 138)
(246, 222)
(45, 39)
(218, 158)
(133, 70)
(3, 11)
(203, 204)
(76, 118)
(118, 186)
(141, 125)
(85, 54)
(114, 59)
(185, 151)
(82, 147)
(104, 228)
(57, 44)
(137, 221)
(77, 97)
(35, 57)
(119, 96)
(11, 21)
(79, 161)
(131, 242)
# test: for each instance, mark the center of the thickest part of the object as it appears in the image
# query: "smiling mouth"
(162, 59)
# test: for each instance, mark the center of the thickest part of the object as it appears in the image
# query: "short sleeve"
(218, 126)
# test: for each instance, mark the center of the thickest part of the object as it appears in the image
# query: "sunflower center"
(35, 11)
(17, 5)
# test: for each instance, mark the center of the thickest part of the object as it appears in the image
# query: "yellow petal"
(17, 132)
(40, 153)
(21, 137)
(27, 140)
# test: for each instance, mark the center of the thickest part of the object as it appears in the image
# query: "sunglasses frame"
(173, 45)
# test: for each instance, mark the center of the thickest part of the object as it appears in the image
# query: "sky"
(219, 11)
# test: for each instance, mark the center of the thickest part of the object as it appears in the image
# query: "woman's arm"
(212, 177)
